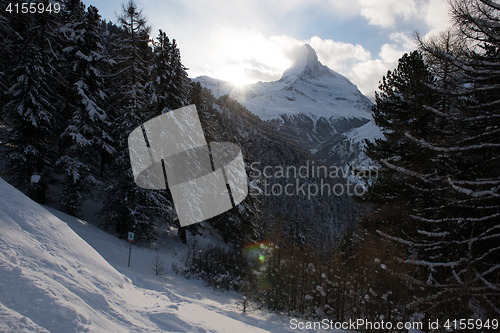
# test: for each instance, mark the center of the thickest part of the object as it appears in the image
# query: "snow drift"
(52, 280)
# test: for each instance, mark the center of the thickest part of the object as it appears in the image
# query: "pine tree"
(169, 80)
(471, 155)
(7, 37)
(128, 207)
(169, 87)
(414, 202)
(180, 83)
(438, 190)
(34, 102)
(132, 57)
(86, 129)
(400, 110)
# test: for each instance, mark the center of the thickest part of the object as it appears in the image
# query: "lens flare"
(257, 250)
(257, 253)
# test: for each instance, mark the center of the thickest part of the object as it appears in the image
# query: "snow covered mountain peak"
(306, 88)
(311, 104)
(308, 54)
(305, 56)
(306, 65)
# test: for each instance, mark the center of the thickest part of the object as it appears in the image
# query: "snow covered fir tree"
(420, 242)
(437, 196)
(137, 209)
(85, 142)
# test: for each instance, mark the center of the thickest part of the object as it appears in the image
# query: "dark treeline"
(437, 197)
(74, 87)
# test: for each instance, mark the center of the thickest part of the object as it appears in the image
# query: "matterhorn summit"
(311, 104)
(308, 87)
(308, 68)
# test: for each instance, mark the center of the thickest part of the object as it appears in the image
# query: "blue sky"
(247, 41)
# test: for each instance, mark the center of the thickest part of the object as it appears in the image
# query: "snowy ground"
(61, 274)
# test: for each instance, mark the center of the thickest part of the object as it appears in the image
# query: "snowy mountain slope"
(52, 277)
(368, 131)
(310, 88)
(356, 139)
(52, 280)
(311, 104)
(307, 87)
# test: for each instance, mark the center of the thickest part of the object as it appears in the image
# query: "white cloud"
(384, 12)
(436, 15)
(402, 43)
(244, 55)
(387, 13)
(406, 42)
(337, 55)
(357, 64)
(367, 74)
(389, 52)
(247, 56)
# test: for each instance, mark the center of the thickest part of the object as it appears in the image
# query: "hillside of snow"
(356, 138)
(61, 274)
(368, 131)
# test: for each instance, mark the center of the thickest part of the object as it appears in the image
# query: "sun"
(238, 79)
(240, 82)
(234, 74)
